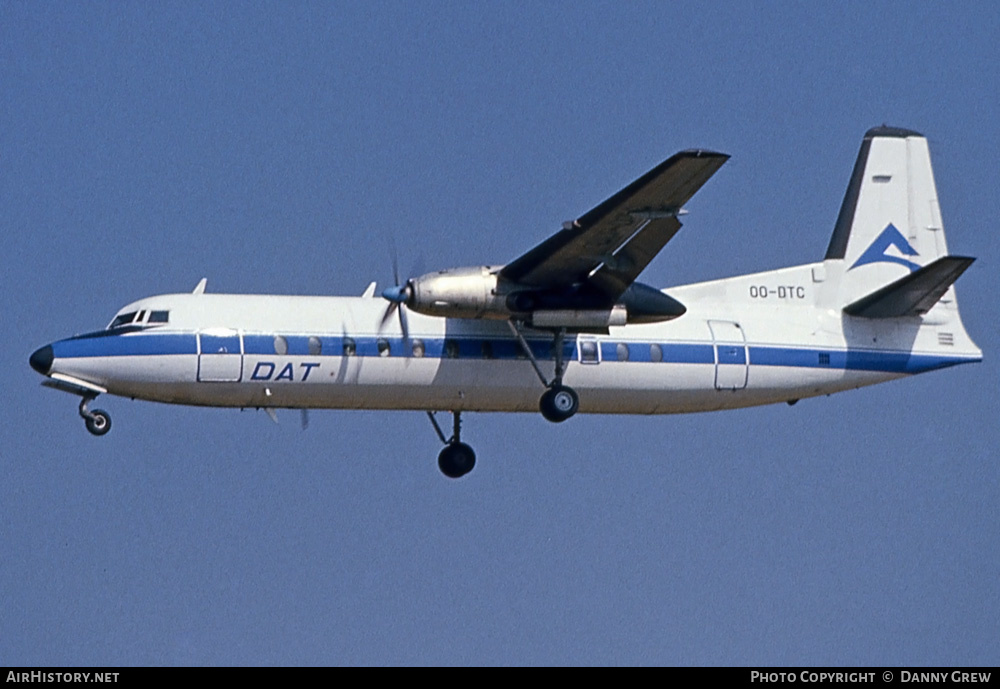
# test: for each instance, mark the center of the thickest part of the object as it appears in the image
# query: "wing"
(611, 244)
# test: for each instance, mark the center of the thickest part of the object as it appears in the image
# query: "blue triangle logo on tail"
(876, 252)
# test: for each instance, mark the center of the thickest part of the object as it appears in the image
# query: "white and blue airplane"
(565, 327)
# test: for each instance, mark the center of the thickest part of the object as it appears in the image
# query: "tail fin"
(889, 225)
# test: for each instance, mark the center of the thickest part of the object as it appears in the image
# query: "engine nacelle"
(478, 292)
(458, 293)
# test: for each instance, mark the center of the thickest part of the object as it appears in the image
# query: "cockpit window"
(121, 320)
(139, 318)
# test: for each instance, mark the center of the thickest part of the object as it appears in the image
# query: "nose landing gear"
(97, 421)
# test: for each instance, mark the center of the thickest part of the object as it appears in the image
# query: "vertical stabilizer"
(890, 222)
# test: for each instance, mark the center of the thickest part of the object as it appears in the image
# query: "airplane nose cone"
(41, 360)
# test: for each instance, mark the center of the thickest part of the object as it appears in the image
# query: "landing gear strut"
(456, 459)
(98, 421)
(559, 402)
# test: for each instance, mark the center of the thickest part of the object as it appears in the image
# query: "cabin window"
(588, 351)
(383, 346)
(159, 317)
(655, 353)
(622, 351)
(315, 346)
(488, 350)
(418, 348)
(451, 349)
(350, 348)
(121, 320)
(280, 345)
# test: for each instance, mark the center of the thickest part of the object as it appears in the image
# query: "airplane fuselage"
(747, 341)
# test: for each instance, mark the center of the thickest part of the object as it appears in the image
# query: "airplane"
(565, 327)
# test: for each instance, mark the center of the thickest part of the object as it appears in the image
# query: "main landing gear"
(98, 421)
(456, 459)
(559, 402)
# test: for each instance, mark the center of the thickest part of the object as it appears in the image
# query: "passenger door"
(220, 356)
(731, 358)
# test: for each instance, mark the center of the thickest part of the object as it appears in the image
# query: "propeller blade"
(388, 314)
(404, 326)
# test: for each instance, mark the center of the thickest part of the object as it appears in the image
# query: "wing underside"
(611, 244)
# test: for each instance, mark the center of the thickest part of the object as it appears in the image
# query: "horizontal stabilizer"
(913, 295)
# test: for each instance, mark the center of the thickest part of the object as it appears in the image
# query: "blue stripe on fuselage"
(853, 359)
(160, 343)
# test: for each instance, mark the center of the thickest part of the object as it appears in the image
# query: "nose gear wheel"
(97, 421)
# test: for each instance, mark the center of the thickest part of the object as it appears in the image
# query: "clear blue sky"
(276, 147)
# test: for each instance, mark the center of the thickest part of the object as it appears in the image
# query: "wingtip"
(702, 153)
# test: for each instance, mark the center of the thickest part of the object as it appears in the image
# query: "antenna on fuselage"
(200, 287)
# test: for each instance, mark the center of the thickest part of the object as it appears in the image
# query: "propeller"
(397, 296)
